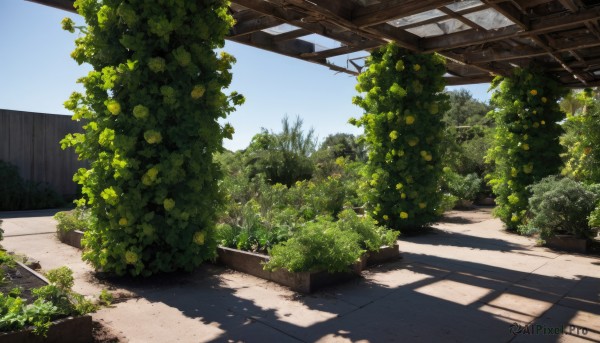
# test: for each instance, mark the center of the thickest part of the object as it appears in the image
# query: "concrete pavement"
(466, 281)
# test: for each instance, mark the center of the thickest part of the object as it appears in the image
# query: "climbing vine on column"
(151, 108)
(403, 102)
(526, 144)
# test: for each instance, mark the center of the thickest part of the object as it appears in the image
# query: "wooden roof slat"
(250, 26)
(561, 36)
(389, 10)
(472, 37)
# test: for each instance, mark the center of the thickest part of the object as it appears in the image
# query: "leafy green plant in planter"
(77, 219)
(403, 100)
(319, 245)
(371, 236)
(152, 188)
(53, 301)
(526, 144)
(560, 206)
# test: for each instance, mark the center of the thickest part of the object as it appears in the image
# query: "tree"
(283, 157)
(465, 110)
(404, 103)
(344, 145)
(151, 111)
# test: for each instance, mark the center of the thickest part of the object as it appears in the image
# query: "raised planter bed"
(303, 282)
(65, 330)
(72, 238)
(568, 243)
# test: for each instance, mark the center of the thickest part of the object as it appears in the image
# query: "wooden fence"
(31, 142)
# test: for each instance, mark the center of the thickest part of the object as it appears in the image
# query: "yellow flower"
(525, 146)
(123, 221)
(533, 92)
(534, 112)
(413, 141)
(394, 135)
(400, 65)
(169, 204)
(410, 120)
(198, 91)
(417, 67)
(199, 237)
(385, 217)
(152, 137)
(543, 122)
(131, 257)
(399, 186)
(402, 196)
(403, 215)
(140, 111)
(422, 205)
(434, 108)
(544, 99)
(113, 107)
(514, 218)
(428, 157)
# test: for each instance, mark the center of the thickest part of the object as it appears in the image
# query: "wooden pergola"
(480, 38)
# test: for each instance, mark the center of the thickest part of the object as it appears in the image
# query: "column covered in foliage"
(526, 144)
(150, 111)
(404, 104)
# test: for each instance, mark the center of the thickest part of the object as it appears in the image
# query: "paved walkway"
(468, 281)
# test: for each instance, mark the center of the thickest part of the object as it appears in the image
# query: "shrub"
(560, 206)
(17, 194)
(526, 146)
(77, 219)
(403, 103)
(282, 157)
(371, 236)
(152, 188)
(462, 187)
(594, 219)
(319, 245)
(52, 301)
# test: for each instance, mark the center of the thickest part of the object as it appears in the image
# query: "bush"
(594, 219)
(371, 236)
(53, 301)
(462, 187)
(77, 219)
(320, 245)
(560, 206)
(282, 157)
(17, 194)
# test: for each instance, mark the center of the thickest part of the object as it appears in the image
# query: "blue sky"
(38, 75)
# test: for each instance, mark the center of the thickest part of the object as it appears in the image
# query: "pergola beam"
(389, 10)
(472, 37)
